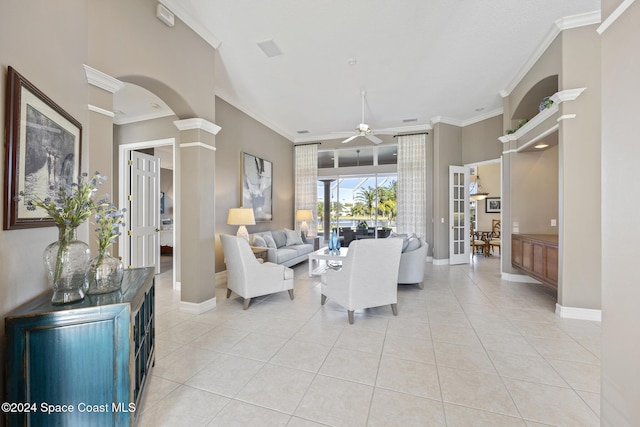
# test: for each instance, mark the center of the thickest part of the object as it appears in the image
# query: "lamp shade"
(304, 215)
(241, 216)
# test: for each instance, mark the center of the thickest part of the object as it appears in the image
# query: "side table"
(260, 253)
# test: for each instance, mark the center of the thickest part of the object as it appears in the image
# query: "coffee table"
(321, 260)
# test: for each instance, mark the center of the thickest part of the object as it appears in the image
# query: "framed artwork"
(43, 144)
(257, 189)
(492, 205)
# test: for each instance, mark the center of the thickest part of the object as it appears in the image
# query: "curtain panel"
(306, 176)
(412, 186)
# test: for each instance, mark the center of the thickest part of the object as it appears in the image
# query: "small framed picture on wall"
(492, 205)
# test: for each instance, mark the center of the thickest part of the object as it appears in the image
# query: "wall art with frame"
(492, 205)
(42, 151)
(257, 186)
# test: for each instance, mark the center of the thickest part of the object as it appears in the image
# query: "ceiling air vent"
(270, 48)
(301, 132)
(410, 119)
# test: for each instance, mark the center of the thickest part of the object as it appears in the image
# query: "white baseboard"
(198, 308)
(520, 278)
(579, 313)
(429, 259)
(441, 261)
(221, 277)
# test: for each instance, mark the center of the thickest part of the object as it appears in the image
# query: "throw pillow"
(269, 241)
(293, 237)
(412, 243)
(259, 241)
(279, 237)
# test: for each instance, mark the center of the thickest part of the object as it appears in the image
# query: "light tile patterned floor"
(468, 350)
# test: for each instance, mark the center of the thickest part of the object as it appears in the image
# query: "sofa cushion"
(285, 254)
(280, 238)
(293, 237)
(259, 241)
(302, 249)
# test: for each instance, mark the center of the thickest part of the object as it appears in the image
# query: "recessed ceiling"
(415, 59)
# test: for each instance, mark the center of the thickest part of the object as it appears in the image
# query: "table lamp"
(241, 217)
(304, 215)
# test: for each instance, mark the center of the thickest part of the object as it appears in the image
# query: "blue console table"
(82, 364)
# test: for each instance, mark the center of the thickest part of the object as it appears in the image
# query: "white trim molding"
(101, 111)
(444, 261)
(481, 117)
(103, 81)
(197, 144)
(196, 123)
(614, 16)
(446, 120)
(176, 6)
(579, 313)
(566, 116)
(198, 308)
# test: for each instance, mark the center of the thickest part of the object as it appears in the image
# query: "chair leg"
(350, 312)
(323, 299)
(394, 309)
(246, 303)
(291, 293)
(228, 293)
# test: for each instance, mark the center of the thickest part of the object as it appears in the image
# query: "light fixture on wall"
(241, 217)
(304, 215)
(478, 194)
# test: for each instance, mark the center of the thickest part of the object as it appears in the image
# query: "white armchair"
(368, 277)
(412, 265)
(249, 278)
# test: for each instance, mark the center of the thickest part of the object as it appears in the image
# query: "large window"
(368, 201)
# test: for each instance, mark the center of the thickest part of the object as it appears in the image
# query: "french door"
(459, 251)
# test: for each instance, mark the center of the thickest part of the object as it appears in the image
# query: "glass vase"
(105, 274)
(67, 263)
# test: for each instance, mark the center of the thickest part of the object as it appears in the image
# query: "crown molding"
(614, 16)
(196, 123)
(584, 19)
(177, 8)
(446, 120)
(481, 117)
(102, 80)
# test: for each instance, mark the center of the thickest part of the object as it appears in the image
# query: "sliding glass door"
(362, 204)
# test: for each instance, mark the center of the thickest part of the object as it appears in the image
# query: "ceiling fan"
(363, 129)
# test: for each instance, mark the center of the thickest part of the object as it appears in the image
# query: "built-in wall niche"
(529, 106)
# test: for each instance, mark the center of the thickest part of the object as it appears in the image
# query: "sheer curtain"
(412, 186)
(306, 170)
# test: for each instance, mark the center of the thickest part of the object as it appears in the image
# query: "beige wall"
(534, 191)
(240, 133)
(480, 140)
(580, 171)
(47, 44)
(447, 151)
(620, 232)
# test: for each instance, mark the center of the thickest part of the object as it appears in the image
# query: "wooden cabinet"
(537, 256)
(85, 363)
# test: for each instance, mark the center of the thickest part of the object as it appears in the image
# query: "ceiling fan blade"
(351, 138)
(373, 139)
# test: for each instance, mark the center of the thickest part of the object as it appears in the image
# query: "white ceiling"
(431, 60)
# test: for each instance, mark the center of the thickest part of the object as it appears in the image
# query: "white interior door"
(144, 210)
(459, 251)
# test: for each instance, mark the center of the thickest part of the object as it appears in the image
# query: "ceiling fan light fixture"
(478, 194)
